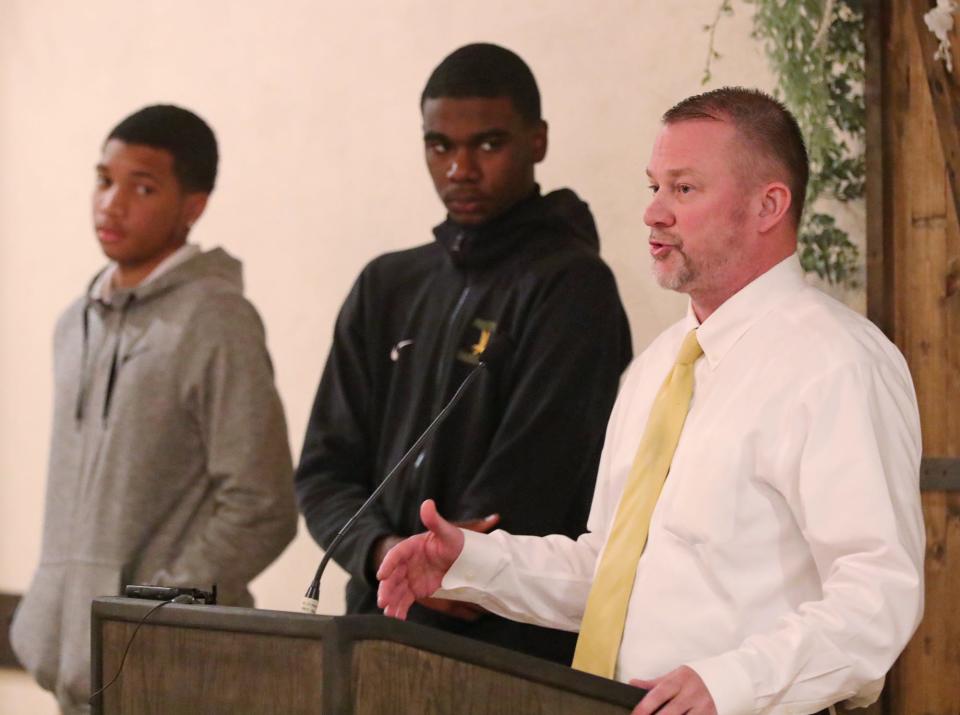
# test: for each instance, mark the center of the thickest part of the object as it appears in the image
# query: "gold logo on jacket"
(479, 340)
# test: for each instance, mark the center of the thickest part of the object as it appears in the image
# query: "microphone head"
(498, 351)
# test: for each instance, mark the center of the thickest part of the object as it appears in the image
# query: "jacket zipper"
(443, 369)
(443, 374)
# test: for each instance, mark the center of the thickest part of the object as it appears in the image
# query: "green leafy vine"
(816, 50)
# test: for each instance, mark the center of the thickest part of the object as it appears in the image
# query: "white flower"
(940, 22)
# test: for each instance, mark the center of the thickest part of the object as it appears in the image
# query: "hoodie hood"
(560, 213)
(215, 264)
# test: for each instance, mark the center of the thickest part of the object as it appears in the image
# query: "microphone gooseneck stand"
(496, 351)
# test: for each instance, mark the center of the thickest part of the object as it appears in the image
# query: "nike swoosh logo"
(395, 352)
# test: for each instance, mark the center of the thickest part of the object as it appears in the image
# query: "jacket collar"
(477, 246)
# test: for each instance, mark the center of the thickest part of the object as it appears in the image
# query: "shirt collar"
(103, 290)
(728, 323)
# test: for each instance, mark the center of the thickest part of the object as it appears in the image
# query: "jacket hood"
(215, 264)
(560, 212)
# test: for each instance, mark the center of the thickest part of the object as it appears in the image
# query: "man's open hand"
(414, 568)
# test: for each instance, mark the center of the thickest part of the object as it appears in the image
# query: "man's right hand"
(414, 568)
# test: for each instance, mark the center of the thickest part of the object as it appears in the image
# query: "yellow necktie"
(602, 627)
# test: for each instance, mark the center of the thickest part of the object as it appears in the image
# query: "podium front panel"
(395, 678)
(209, 659)
(172, 669)
(216, 660)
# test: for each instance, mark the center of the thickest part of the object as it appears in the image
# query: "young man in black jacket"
(521, 450)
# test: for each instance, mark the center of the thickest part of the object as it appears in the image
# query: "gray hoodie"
(169, 462)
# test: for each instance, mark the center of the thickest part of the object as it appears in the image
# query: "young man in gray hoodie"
(169, 461)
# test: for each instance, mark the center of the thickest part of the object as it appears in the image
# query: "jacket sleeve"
(335, 474)
(228, 383)
(561, 382)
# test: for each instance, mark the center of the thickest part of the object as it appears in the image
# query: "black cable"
(127, 649)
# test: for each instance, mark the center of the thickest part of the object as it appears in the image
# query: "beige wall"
(315, 107)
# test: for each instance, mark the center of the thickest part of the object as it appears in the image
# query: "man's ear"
(193, 207)
(775, 203)
(538, 140)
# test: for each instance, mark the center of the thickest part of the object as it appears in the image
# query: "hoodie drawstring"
(85, 375)
(85, 370)
(114, 361)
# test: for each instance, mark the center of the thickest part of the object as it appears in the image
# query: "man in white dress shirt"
(783, 569)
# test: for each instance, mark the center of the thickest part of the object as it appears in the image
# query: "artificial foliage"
(816, 51)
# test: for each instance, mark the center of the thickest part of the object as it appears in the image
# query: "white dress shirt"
(785, 556)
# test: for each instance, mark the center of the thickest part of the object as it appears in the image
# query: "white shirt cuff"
(480, 560)
(729, 684)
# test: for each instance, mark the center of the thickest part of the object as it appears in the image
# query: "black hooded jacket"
(524, 442)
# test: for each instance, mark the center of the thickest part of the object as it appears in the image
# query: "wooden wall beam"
(945, 93)
(879, 271)
(918, 268)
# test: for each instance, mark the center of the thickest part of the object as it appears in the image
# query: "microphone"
(493, 357)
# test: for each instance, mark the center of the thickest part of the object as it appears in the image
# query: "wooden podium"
(189, 659)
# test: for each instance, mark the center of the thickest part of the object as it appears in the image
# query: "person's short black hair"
(182, 133)
(485, 70)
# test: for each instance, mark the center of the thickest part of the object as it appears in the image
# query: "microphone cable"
(123, 658)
